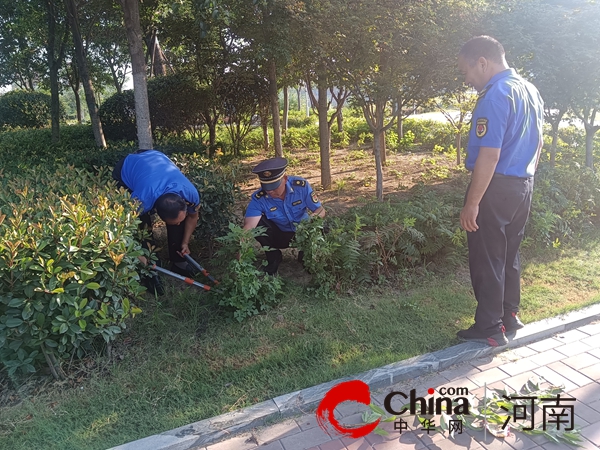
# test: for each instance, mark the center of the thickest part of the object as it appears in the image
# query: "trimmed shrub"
(247, 290)
(216, 186)
(68, 265)
(26, 109)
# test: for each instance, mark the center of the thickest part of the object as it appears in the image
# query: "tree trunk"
(131, 13)
(286, 108)
(273, 94)
(77, 105)
(298, 89)
(589, 146)
(340, 121)
(458, 141)
(86, 80)
(400, 128)
(264, 123)
(377, 132)
(54, 63)
(554, 143)
(157, 57)
(324, 129)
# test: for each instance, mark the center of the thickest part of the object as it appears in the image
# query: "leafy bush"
(299, 119)
(216, 185)
(429, 133)
(566, 204)
(246, 290)
(378, 239)
(174, 102)
(355, 127)
(68, 265)
(307, 137)
(25, 109)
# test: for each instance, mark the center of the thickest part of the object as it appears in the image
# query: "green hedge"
(26, 109)
(68, 265)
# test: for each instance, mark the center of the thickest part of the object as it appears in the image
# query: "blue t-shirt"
(151, 174)
(291, 210)
(509, 115)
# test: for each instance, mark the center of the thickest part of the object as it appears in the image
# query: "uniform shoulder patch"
(314, 197)
(259, 194)
(299, 183)
(481, 127)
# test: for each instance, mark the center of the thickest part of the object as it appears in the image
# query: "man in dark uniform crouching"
(280, 204)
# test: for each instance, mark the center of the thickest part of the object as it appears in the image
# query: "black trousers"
(494, 248)
(275, 238)
(174, 232)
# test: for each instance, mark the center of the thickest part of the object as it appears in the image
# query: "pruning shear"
(187, 279)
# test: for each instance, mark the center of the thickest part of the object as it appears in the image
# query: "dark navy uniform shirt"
(509, 115)
(287, 212)
(151, 174)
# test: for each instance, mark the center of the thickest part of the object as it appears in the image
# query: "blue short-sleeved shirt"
(287, 212)
(509, 115)
(151, 174)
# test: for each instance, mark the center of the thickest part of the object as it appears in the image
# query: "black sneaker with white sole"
(512, 323)
(492, 336)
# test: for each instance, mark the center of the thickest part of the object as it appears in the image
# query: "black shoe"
(153, 285)
(512, 323)
(493, 336)
(301, 257)
(188, 271)
(274, 258)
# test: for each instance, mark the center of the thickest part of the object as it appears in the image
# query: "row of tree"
(388, 56)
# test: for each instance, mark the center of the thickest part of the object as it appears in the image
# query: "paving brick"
(313, 437)
(594, 352)
(517, 382)
(591, 329)
(518, 441)
(517, 367)
(588, 394)
(585, 445)
(570, 373)
(521, 352)
(546, 344)
(592, 341)
(581, 361)
(574, 348)
(554, 378)
(275, 445)
(277, 431)
(488, 376)
(571, 336)
(546, 357)
(356, 444)
(592, 371)
(594, 405)
(462, 371)
(587, 413)
(307, 421)
(336, 444)
(488, 362)
(592, 433)
(242, 442)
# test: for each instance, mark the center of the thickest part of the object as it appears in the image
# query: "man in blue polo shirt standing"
(503, 152)
(280, 204)
(154, 180)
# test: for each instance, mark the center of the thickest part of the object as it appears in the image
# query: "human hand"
(143, 260)
(185, 250)
(468, 217)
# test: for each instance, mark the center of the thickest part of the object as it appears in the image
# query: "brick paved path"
(570, 359)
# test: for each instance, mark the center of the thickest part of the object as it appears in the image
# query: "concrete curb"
(212, 430)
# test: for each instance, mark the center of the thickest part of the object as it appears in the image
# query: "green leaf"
(13, 322)
(92, 286)
(380, 431)
(82, 324)
(63, 328)
(377, 409)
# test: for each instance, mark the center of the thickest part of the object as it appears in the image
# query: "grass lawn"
(181, 361)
